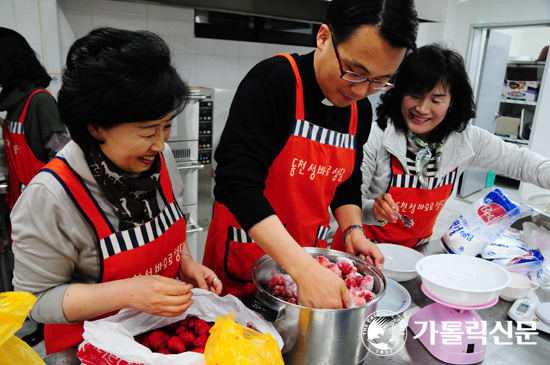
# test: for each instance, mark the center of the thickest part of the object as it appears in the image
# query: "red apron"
(22, 163)
(300, 187)
(152, 248)
(422, 205)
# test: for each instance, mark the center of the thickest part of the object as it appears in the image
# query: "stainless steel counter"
(414, 352)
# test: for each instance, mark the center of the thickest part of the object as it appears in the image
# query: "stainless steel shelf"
(521, 102)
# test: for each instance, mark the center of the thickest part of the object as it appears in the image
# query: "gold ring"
(213, 281)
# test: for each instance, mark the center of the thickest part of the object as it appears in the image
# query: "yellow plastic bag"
(232, 343)
(14, 308)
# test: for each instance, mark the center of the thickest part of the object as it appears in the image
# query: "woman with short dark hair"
(422, 143)
(109, 232)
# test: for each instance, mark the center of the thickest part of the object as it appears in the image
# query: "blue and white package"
(482, 223)
(532, 261)
(509, 245)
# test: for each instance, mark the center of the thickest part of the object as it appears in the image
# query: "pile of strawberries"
(189, 334)
(359, 286)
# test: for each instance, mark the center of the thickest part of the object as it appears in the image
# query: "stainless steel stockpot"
(315, 336)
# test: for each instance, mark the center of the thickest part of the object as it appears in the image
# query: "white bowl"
(462, 280)
(400, 261)
(518, 288)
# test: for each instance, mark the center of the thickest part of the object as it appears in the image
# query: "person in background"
(32, 130)
(421, 144)
(109, 232)
(291, 149)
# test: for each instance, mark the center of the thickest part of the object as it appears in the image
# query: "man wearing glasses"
(292, 148)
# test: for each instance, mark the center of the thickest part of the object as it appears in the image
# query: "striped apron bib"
(300, 187)
(422, 205)
(153, 248)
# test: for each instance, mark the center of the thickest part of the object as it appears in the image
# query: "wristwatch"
(348, 230)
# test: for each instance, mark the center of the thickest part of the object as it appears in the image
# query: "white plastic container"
(400, 263)
(518, 288)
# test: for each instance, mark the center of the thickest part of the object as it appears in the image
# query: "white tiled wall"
(217, 63)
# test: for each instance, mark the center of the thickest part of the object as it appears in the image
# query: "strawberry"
(200, 350)
(358, 301)
(158, 340)
(191, 322)
(335, 269)
(323, 260)
(183, 322)
(276, 280)
(145, 342)
(180, 330)
(201, 327)
(175, 345)
(187, 338)
(164, 351)
(200, 341)
(278, 291)
(367, 283)
(345, 265)
(292, 300)
(172, 326)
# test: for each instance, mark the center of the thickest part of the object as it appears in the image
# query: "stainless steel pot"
(315, 336)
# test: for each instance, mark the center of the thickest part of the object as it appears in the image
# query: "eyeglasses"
(356, 78)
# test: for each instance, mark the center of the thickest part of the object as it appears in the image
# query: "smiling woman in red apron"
(100, 228)
(291, 149)
(422, 143)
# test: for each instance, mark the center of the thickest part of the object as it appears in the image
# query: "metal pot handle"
(270, 313)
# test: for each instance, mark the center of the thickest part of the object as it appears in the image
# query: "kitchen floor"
(452, 209)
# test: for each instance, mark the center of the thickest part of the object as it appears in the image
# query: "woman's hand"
(321, 288)
(199, 275)
(158, 295)
(383, 208)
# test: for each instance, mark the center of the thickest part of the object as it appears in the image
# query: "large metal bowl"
(316, 336)
(462, 280)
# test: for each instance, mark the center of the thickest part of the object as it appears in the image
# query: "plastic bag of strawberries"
(112, 340)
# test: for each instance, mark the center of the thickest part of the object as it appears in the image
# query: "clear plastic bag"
(484, 222)
(14, 308)
(232, 343)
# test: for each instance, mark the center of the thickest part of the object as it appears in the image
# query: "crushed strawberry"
(345, 265)
(282, 287)
(323, 260)
(367, 283)
(277, 280)
(358, 301)
(335, 269)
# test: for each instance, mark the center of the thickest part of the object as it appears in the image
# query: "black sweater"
(257, 127)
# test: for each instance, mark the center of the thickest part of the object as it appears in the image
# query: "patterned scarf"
(133, 198)
(425, 154)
